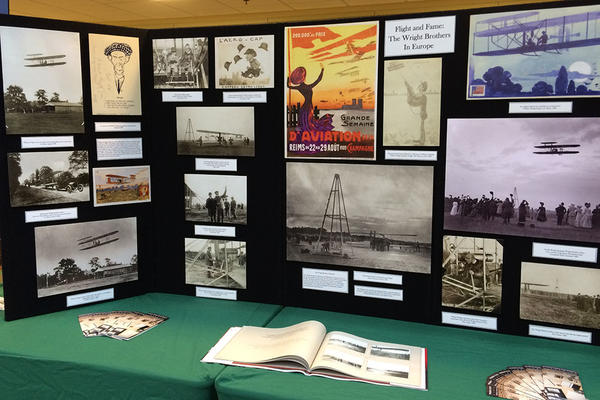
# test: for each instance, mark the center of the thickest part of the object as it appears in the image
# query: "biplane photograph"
(216, 199)
(180, 63)
(244, 62)
(219, 263)
(85, 255)
(523, 177)
(472, 273)
(360, 215)
(560, 294)
(121, 185)
(215, 131)
(41, 72)
(541, 53)
(49, 177)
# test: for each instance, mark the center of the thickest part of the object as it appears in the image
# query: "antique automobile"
(67, 186)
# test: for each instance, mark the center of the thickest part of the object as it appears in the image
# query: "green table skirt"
(47, 357)
(460, 360)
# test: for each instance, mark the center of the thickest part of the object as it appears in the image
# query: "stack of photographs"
(532, 382)
(122, 325)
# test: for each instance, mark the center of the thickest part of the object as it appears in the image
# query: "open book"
(308, 348)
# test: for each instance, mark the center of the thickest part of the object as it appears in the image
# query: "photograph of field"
(220, 263)
(217, 199)
(360, 215)
(54, 177)
(560, 294)
(85, 255)
(121, 185)
(41, 72)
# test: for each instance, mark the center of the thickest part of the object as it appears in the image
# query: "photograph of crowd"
(180, 63)
(526, 177)
(216, 199)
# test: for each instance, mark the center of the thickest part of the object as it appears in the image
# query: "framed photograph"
(412, 102)
(472, 273)
(121, 185)
(543, 53)
(560, 294)
(180, 63)
(219, 263)
(358, 215)
(85, 255)
(215, 131)
(115, 75)
(41, 74)
(216, 199)
(244, 62)
(53, 177)
(529, 177)
(330, 94)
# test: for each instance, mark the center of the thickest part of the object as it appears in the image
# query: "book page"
(377, 361)
(298, 342)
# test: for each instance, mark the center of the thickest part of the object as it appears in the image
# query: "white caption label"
(563, 252)
(244, 97)
(118, 126)
(561, 334)
(327, 280)
(216, 164)
(119, 149)
(57, 214)
(377, 277)
(209, 230)
(540, 107)
(169, 97)
(470, 321)
(39, 142)
(212, 293)
(404, 37)
(411, 155)
(378, 293)
(90, 297)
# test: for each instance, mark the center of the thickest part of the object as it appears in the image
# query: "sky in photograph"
(497, 155)
(57, 160)
(202, 184)
(571, 280)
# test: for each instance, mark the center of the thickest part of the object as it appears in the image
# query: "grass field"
(557, 311)
(119, 196)
(38, 123)
(202, 215)
(88, 284)
(191, 148)
(33, 196)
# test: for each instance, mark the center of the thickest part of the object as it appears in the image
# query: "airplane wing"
(509, 17)
(100, 244)
(220, 133)
(545, 47)
(97, 237)
(45, 57)
(544, 23)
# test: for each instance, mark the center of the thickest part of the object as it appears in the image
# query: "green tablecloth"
(47, 357)
(459, 362)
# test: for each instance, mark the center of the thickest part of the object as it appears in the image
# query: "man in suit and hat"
(118, 54)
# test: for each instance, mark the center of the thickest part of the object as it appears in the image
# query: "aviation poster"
(330, 93)
(115, 75)
(535, 54)
(244, 62)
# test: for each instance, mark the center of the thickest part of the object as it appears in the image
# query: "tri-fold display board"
(437, 167)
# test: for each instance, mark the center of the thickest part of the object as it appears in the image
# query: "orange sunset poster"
(330, 92)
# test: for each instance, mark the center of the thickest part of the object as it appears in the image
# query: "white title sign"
(216, 164)
(411, 155)
(540, 107)
(245, 97)
(378, 292)
(327, 280)
(119, 149)
(560, 334)
(212, 293)
(377, 277)
(210, 230)
(90, 297)
(409, 37)
(38, 142)
(118, 126)
(56, 214)
(564, 252)
(169, 97)
(470, 321)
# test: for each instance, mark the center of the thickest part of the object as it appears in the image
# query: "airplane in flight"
(556, 148)
(40, 60)
(221, 137)
(90, 242)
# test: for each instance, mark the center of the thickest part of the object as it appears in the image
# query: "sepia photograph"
(390, 352)
(121, 185)
(180, 63)
(412, 102)
(544, 53)
(529, 177)
(358, 215)
(472, 273)
(215, 131)
(115, 75)
(41, 73)
(216, 199)
(54, 177)
(85, 255)
(244, 62)
(560, 294)
(212, 262)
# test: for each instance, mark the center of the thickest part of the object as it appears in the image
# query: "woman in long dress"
(578, 212)
(523, 209)
(586, 217)
(541, 213)
(306, 115)
(454, 210)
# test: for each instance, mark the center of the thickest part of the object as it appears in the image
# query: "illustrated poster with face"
(115, 75)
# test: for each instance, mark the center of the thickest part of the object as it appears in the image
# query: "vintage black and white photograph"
(560, 294)
(472, 273)
(531, 177)
(180, 63)
(41, 73)
(53, 177)
(215, 131)
(216, 199)
(360, 215)
(244, 62)
(213, 262)
(85, 255)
